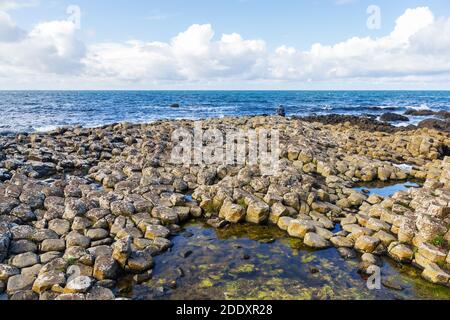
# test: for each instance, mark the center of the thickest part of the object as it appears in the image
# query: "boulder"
(384, 173)
(49, 245)
(74, 207)
(140, 261)
(156, 231)
(366, 244)
(377, 225)
(385, 237)
(165, 214)
(347, 253)
(419, 113)
(122, 208)
(231, 212)
(370, 259)
(105, 267)
(284, 222)
(356, 199)
(277, 211)
(350, 219)
(19, 282)
(80, 284)
(432, 253)
(46, 280)
(4, 245)
(299, 228)
(315, 241)
(7, 271)
(257, 212)
(97, 234)
(341, 242)
(100, 293)
(435, 274)
(75, 239)
(33, 198)
(122, 250)
(49, 256)
(24, 295)
(393, 117)
(441, 125)
(22, 246)
(429, 227)
(401, 252)
(24, 213)
(24, 260)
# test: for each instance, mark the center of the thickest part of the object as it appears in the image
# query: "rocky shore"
(82, 207)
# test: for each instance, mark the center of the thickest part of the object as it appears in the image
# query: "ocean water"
(27, 111)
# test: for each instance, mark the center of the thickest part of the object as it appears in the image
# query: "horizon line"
(223, 90)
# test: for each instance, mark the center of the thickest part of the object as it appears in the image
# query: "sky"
(225, 44)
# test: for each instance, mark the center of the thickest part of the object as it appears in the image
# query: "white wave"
(404, 167)
(402, 124)
(384, 107)
(423, 106)
(46, 128)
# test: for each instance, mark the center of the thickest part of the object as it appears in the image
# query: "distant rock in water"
(443, 114)
(419, 113)
(281, 111)
(390, 116)
(435, 124)
(422, 113)
(371, 124)
(365, 123)
(175, 105)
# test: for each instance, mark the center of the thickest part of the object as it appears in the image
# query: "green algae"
(232, 263)
(308, 258)
(244, 268)
(206, 283)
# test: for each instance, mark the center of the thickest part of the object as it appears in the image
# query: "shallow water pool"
(262, 262)
(386, 189)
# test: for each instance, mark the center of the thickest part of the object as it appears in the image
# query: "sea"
(31, 111)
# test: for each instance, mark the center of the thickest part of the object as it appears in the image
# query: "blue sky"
(298, 23)
(109, 26)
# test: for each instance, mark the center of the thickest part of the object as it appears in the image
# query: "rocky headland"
(81, 207)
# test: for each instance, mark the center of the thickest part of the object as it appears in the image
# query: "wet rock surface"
(81, 209)
(443, 125)
(393, 117)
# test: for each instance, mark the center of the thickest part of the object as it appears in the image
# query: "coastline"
(107, 199)
(41, 111)
(364, 122)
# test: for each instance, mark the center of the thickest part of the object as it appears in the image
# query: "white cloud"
(198, 56)
(191, 55)
(50, 47)
(404, 52)
(8, 30)
(415, 52)
(131, 61)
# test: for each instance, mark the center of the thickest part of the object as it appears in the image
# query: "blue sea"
(28, 111)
